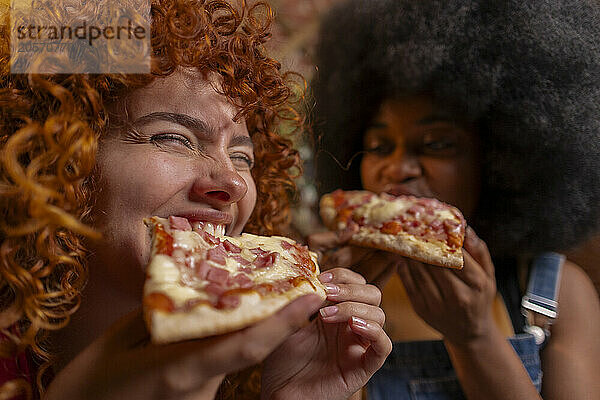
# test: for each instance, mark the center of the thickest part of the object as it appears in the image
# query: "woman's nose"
(222, 186)
(402, 166)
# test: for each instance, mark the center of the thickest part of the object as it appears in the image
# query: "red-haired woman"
(89, 155)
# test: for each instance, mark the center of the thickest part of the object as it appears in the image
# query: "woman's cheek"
(369, 174)
(155, 179)
(246, 204)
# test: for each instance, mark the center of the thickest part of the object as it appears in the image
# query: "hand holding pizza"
(338, 352)
(455, 302)
(377, 266)
(123, 364)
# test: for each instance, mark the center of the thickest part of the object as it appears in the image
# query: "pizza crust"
(205, 320)
(405, 245)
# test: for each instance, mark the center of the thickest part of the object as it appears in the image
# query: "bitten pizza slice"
(200, 282)
(423, 229)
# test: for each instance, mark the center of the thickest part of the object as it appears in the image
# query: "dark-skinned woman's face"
(414, 148)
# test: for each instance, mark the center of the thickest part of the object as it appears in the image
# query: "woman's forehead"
(189, 94)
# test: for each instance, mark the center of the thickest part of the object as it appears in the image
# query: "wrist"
(487, 334)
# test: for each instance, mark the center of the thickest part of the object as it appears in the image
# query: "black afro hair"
(525, 73)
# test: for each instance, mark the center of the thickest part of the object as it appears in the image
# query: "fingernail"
(326, 277)
(359, 323)
(328, 311)
(471, 237)
(332, 289)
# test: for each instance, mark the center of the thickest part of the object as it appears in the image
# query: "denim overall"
(422, 370)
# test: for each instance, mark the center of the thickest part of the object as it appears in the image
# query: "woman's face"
(182, 155)
(413, 148)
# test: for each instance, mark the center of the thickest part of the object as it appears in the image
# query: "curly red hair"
(49, 131)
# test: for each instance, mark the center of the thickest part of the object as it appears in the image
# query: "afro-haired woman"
(84, 155)
(493, 106)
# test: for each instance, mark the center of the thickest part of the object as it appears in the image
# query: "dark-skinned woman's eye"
(172, 138)
(444, 147)
(382, 149)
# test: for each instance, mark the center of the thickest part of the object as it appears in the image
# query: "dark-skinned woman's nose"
(402, 167)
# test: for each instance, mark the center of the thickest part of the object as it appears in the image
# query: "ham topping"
(215, 289)
(230, 247)
(217, 275)
(258, 251)
(241, 280)
(217, 254)
(201, 268)
(210, 239)
(241, 259)
(179, 223)
(351, 228)
(266, 260)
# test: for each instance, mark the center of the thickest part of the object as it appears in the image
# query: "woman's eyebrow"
(377, 125)
(193, 124)
(437, 117)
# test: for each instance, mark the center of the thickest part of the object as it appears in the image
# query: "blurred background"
(294, 36)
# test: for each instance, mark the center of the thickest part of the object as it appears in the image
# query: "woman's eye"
(440, 145)
(174, 138)
(380, 149)
(242, 161)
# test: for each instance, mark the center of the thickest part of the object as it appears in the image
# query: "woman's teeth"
(209, 227)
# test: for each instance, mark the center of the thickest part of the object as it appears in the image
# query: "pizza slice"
(200, 282)
(423, 229)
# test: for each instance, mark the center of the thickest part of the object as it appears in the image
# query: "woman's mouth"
(212, 221)
(209, 227)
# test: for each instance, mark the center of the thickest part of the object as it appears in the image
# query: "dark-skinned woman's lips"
(401, 190)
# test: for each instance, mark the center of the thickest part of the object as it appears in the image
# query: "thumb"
(231, 352)
(477, 249)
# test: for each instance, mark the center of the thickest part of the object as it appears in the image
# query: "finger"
(323, 241)
(342, 312)
(342, 275)
(449, 282)
(428, 295)
(472, 275)
(367, 294)
(228, 353)
(346, 256)
(375, 264)
(421, 274)
(381, 345)
(479, 251)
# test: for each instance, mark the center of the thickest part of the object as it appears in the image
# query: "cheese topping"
(195, 264)
(378, 211)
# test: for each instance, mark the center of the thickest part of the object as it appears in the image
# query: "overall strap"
(542, 293)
